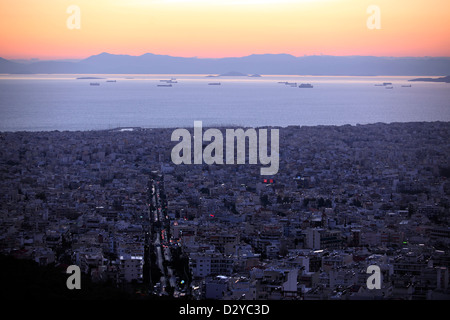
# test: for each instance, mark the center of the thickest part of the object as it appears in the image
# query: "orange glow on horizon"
(223, 28)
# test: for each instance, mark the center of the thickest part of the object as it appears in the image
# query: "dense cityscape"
(344, 198)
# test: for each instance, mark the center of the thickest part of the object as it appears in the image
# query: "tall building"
(318, 238)
(131, 268)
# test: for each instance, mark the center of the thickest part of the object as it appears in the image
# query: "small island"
(233, 74)
(89, 78)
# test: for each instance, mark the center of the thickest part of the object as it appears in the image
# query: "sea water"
(63, 102)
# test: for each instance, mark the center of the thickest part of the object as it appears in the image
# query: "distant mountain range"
(106, 63)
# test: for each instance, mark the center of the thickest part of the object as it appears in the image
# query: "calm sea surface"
(62, 102)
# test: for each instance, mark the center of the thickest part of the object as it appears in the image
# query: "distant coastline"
(125, 129)
(442, 79)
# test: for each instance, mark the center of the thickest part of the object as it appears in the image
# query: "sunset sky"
(223, 28)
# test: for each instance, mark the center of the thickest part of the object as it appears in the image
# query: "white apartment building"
(210, 263)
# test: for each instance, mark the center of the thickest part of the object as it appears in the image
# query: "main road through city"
(158, 241)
